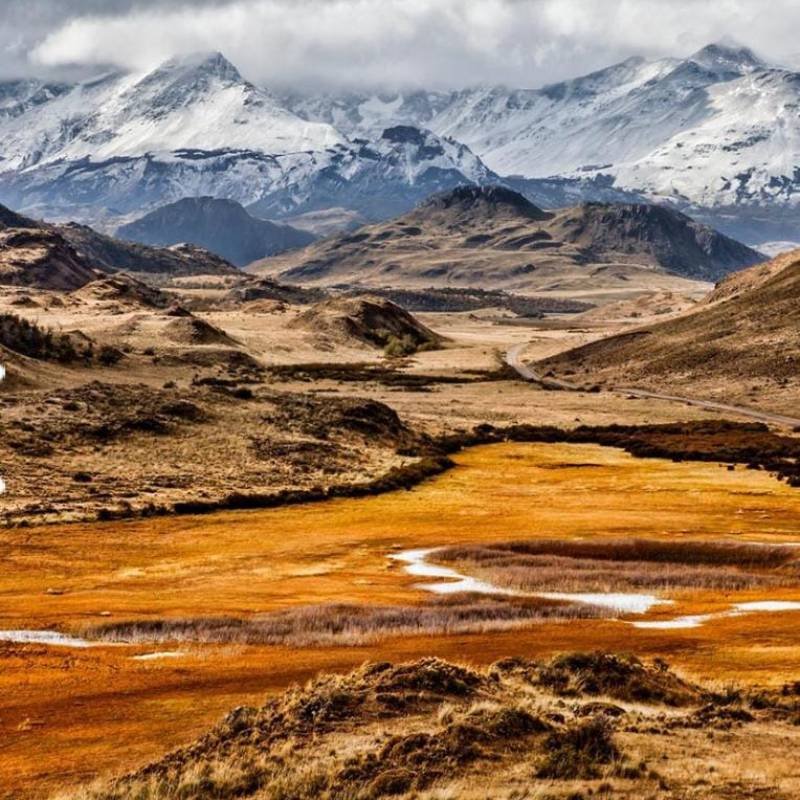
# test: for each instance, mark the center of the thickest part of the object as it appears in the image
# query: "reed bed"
(347, 625)
(556, 565)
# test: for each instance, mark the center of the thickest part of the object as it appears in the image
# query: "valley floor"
(64, 712)
(180, 423)
(146, 434)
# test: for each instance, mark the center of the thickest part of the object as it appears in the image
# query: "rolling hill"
(65, 257)
(41, 258)
(493, 238)
(111, 254)
(742, 342)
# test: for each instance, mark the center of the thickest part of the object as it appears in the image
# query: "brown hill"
(20, 371)
(748, 331)
(41, 258)
(267, 289)
(653, 234)
(747, 279)
(191, 330)
(374, 321)
(642, 308)
(121, 291)
(494, 238)
(112, 255)
(10, 219)
(65, 257)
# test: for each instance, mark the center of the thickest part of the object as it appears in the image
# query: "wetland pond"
(524, 519)
(387, 551)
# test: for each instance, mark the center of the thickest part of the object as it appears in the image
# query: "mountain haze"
(222, 226)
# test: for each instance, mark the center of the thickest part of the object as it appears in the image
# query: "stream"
(416, 563)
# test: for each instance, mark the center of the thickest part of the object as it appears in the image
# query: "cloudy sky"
(436, 43)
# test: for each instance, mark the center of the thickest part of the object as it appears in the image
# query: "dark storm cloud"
(374, 42)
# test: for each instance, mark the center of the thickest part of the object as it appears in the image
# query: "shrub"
(577, 751)
(108, 356)
(27, 338)
(399, 346)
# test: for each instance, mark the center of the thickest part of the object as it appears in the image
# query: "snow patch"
(53, 638)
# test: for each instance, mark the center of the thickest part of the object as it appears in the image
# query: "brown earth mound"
(122, 291)
(434, 729)
(268, 289)
(20, 371)
(41, 258)
(373, 321)
(191, 330)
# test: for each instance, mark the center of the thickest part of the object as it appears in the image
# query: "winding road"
(526, 372)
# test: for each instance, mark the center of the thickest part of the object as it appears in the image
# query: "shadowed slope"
(749, 328)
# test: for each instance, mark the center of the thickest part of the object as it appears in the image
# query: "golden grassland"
(69, 715)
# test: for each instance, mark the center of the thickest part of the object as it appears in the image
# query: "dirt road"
(526, 372)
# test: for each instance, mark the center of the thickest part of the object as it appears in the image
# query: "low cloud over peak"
(433, 43)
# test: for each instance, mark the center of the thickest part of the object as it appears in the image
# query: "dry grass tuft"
(579, 750)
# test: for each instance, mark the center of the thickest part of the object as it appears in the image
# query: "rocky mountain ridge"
(714, 134)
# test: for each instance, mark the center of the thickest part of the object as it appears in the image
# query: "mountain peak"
(483, 201)
(181, 81)
(210, 64)
(727, 56)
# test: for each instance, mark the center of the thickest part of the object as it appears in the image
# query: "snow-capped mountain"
(378, 179)
(18, 97)
(717, 134)
(123, 144)
(720, 128)
(199, 102)
(366, 114)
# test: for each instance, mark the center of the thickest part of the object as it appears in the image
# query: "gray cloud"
(386, 42)
(24, 24)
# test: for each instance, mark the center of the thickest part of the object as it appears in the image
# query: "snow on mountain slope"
(719, 128)
(367, 114)
(717, 134)
(746, 149)
(380, 178)
(198, 101)
(20, 96)
(558, 129)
